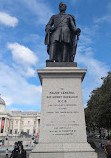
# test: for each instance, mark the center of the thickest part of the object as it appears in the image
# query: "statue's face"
(62, 6)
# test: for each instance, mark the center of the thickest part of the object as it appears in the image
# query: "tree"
(98, 111)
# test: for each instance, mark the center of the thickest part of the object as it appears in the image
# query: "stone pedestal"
(62, 124)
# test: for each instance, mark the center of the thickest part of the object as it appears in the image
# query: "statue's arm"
(75, 30)
(48, 30)
(72, 24)
(50, 24)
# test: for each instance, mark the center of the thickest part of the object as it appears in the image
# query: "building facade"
(15, 123)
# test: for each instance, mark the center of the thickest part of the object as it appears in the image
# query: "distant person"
(103, 146)
(22, 152)
(37, 134)
(107, 149)
(14, 153)
(6, 153)
(100, 145)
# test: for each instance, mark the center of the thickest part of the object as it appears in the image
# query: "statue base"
(62, 121)
(60, 64)
(63, 150)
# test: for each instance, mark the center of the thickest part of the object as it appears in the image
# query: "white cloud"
(95, 67)
(86, 40)
(16, 89)
(22, 54)
(86, 59)
(8, 100)
(95, 70)
(8, 20)
(106, 18)
(24, 59)
(26, 71)
(30, 72)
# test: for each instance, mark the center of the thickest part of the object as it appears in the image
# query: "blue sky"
(22, 49)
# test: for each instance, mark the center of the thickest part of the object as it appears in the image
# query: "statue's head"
(62, 6)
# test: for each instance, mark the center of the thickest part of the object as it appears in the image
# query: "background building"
(14, 123)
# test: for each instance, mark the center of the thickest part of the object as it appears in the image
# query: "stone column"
(37, 127)
(4, 131)
(19, 126)
(0, 123)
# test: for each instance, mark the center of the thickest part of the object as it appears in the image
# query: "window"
(39, 121)
(34, 131)
(16, 122)
(10, 131)
(16, 131)
(34, 122)
(28, 131)
(28, 122)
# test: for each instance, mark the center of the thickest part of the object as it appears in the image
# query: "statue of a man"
(61, 34)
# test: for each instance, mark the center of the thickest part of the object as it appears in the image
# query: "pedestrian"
(6, 153)
(14, 153)
(103, 146)
(22, 152)
(107, 149)
(100, 145)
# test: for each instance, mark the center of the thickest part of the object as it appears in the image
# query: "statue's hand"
(78, 31)
(52, 29)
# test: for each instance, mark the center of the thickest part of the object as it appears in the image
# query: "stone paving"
(100, 155)
(96, 141)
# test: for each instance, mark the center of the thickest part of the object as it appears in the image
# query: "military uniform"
(60, 32)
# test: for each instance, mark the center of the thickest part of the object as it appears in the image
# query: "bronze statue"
(61, 36)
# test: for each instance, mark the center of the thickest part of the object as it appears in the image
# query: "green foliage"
(98, 111)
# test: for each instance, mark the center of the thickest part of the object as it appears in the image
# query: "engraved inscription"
(63, 107)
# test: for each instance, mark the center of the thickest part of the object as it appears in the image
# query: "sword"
(75, 46)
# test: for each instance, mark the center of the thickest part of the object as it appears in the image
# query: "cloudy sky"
(22, 48)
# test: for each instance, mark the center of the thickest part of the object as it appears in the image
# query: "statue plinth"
(62, 122)
(60, 64)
